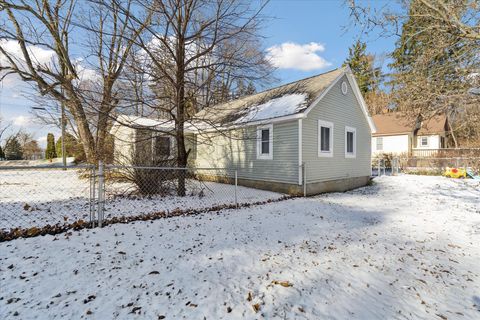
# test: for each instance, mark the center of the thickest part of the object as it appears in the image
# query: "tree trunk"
(452, 133)
(85, 134)
(180, 116)
(102, 128)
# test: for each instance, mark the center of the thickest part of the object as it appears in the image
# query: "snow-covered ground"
(39, 197)
(405, 248)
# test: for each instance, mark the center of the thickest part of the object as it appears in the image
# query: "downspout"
(300, 152)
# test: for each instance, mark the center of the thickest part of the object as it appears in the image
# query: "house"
(396, 134)
(312, 135)
(146, 142)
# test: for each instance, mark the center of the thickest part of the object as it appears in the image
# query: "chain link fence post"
(93, 183)
(236, 185)
(304, 169)
(101, 192)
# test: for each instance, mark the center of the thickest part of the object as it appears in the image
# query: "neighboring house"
(398, 135)
(145, 141)
(314, 134)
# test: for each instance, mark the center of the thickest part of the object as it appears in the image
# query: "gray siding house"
(312, 135)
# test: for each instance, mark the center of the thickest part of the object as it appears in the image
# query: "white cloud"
(84, 73)
(39, 55)
(305, 57)
(21, 121)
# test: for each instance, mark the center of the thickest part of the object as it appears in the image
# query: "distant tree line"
(22, 146)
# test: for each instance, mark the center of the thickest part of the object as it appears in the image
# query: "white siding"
(433, 142)
(123, 144)
(392, 144)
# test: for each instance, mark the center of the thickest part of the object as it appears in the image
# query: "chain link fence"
(36, 197)
(146, 190)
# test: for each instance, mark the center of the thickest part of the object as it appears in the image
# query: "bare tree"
(436, 59)
(3, 127)
(459, 17)
(31, 149)
(86, 84)
(193, 53)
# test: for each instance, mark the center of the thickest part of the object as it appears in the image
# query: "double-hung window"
(325, 138)
(379, 141)
(265, 142)
(350, 142)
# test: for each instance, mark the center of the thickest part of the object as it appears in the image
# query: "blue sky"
(325, 22)
(305, 37)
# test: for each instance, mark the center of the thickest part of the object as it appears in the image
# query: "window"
(325, 139)
(265, 142)
(350, 142)
(162, 147)
(424, 141)
(379, 141)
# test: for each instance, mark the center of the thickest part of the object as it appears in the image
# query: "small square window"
(424, 141)
(162, 147)
(325, 138)
(350, 142)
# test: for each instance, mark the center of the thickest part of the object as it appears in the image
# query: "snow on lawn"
(405, 248)
(44, 196)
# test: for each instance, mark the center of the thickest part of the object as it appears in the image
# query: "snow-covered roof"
(277, 107)
(288, 99)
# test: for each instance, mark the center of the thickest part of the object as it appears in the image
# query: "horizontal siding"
(342, 110)
(238, 149)
(123, 145)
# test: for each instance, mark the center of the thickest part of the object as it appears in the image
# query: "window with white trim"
(379, 143)
(350, 142)
(325, 138)
(265, 142)
(424, 141)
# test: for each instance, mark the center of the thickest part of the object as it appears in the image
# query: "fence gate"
(382, 167)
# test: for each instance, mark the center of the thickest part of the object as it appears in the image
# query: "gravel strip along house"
(312, 136)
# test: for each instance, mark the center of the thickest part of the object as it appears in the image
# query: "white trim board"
(326, 124)
(353, 154)
(260, 155)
